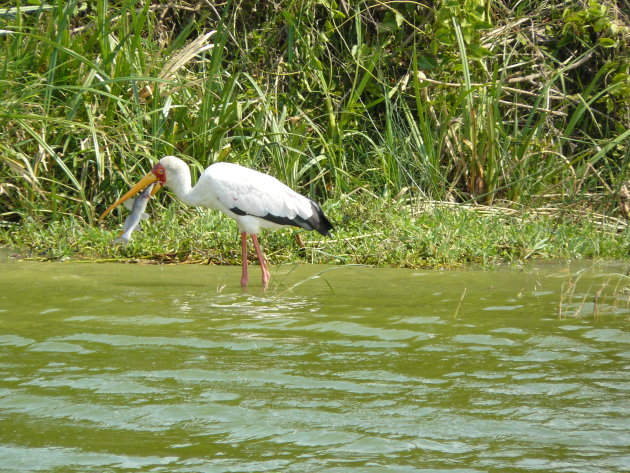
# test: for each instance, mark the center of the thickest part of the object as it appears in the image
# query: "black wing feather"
(317, 221)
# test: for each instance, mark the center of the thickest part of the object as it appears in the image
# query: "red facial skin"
(160, 173)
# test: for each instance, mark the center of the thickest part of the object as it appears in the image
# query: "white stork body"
(255, 200)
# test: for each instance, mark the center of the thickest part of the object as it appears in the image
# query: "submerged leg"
(263, 264)
(244, 275)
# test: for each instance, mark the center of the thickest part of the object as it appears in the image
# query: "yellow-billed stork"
(255, 200)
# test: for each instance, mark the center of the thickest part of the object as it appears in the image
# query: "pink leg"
(261, 260)
(244, 276)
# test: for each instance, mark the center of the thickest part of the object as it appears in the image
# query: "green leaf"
(426, 62)
(566, 39)
(445, 36)
(477, 51)
(607, 42)
(601, 25)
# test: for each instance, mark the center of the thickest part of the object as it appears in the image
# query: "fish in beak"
(156, 174)
(132, 222)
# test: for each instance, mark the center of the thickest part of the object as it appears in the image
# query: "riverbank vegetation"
(375, 108)
(369, 231)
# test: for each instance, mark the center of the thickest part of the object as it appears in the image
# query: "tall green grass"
(468, 101)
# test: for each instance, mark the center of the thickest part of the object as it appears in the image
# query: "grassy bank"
(394, 233)
(472, 101)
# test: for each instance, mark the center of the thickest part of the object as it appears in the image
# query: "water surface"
(141, 368)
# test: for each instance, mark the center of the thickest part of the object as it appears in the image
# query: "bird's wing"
(257, 194)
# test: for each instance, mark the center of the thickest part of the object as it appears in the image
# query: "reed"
(470, 101)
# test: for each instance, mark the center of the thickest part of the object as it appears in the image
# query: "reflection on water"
(173, 369)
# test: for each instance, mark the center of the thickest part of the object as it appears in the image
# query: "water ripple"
(385, 373)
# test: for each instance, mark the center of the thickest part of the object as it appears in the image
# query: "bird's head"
(167, 168)
(160, 172)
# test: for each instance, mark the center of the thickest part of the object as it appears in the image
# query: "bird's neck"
(180, 184)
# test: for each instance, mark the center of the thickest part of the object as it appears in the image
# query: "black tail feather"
(319, 222)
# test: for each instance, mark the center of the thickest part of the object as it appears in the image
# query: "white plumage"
(255, 200)
(228, 186)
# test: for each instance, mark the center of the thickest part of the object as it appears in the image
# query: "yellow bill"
(144, 182)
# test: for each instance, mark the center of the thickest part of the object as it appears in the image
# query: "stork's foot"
(265, 277)
(261, 260)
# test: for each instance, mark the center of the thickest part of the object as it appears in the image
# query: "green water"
(129, 368)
